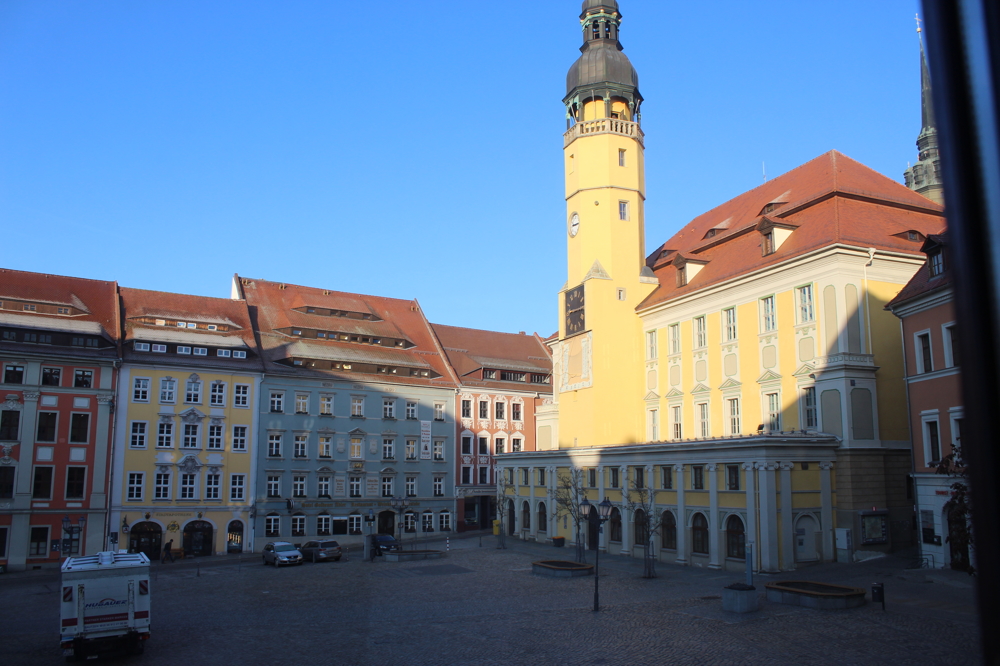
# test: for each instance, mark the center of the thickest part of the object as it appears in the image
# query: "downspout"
(868, 318)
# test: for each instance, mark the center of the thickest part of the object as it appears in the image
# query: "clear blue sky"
(405, 149)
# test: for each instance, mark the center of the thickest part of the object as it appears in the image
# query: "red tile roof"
(829, 200)
(470, 350)
(922, 283)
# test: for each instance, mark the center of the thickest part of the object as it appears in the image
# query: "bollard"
(878, 594)
(447, 544)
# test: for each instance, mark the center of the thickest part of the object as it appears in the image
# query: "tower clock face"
(575, 321)
(574, 225)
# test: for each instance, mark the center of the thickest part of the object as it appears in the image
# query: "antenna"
(763, 168)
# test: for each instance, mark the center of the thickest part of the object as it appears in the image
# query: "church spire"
(925, 176)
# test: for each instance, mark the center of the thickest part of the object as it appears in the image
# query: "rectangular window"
(806, 311)
(140, 389)
(933, 442)
(524, 476)
(729, 324)
(237, 487)
(767, 243)
(136, 483)
(439, 411)
(7, 482)
(466, 475)
(326, 405)
(353, 524)
(161, 485)
(484, 446)
(773, 412)
(190, 440)
(515, 411)
(141, 346)
(768, 315)
(515, 445)
(357, 406)
(274, 485)
(217, 395)
(484, 409)
(809, 407)
(357, 452)
(13, 374)
(667, 477)
(388, 408)
(225, 353)
(168, 391)
(925, 362)
(507, 376)
(183, 350)
(274, 445)
(653, 418)
(298, 526)
(51, 376)
(498, 444)
(703, 420)
(466, 409)
(951, 354)
(301, 403)
(639, 475)
(697, 477)
(675, 418)
(439, 451)
(621, 157)
(215, 437)
(10, 421)
(41, 488)
(623, 210)
(411, 449)
(651, 345)
(484, 475)
(411, 486)
(138, 440)
(79, 428)
(165, 436)
(83, 378)
(240, 438)
(354, 486)
(411, 410)
(299, 443)
(38, 546)
(241, 395)
(386, 486)
(212, 484)
(388, 449)
(325, 446)
(200, 351)
(192, 392)
(298, 486)
(427, 521)
(700, 332)
(674, 331)
(272, 526)
(188, 486)
(733, 407)
(935, 261)
(323, 525)
(46, 431)
(438, 486)
(323, 486)
(499, 408)
(614, 480)
(445, 521)
(277, 403)
(732, 477)
(239, 354)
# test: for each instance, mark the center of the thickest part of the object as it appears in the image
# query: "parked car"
(319, 551)
(387, 542)
(281, 553)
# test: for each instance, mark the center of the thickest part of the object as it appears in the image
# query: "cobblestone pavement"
(481, 605)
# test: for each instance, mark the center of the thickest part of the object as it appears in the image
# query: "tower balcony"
(604, 126)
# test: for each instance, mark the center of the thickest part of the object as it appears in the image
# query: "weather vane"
(918, 23)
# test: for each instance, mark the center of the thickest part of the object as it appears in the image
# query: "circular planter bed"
(561, 568)
(815, 595)
(411, 555)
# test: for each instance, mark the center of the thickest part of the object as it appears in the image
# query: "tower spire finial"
(924, 176)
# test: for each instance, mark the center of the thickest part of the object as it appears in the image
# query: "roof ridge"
(55, 275)
(177, 293)
(331, 292)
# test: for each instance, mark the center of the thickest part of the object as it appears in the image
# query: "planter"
(561, 569)
(815, 595)
(558, 542)
(739, 598)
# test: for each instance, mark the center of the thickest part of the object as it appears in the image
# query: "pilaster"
(715, 528)
(682, 522)
(787, 560)
(826, 510)
(769, 555)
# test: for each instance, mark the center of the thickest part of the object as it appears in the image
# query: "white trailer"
(105, 604)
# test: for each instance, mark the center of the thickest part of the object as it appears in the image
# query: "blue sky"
(405, 149)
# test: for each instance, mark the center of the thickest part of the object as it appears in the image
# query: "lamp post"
(399, 504)
(72, 530)
(603, 513)
(370, 519)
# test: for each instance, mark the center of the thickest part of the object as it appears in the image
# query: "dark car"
(387, 542)
(320, 551)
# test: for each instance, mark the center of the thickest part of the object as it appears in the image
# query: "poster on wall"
(371, 486)
(425, 440)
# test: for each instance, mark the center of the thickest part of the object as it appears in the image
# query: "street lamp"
(603, 513)
(369, 548)
(399, 504)
(73, 530)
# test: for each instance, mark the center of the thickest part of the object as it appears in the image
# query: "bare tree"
(644, 499)
(570, 491)
(503, 486)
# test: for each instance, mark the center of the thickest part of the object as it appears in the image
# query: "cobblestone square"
(481, 605)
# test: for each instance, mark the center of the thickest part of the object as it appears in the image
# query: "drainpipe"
(868, 318)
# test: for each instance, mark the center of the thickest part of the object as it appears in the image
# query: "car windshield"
(329, 544)
(284, 547)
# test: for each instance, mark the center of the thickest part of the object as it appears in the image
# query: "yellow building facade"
(742, 383)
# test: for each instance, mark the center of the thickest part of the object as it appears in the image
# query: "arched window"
(525, 516)
(444, 521)
(543, 521)
(735, 538)
(641, 528)
(668, 531)
(616, 524)
(410, 521)
(427, 521)
(699, 534)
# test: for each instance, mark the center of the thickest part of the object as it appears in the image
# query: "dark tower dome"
(602, 71)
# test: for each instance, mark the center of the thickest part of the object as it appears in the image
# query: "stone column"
(715, 530)
(769, 556)
(751, 534)
(602, 536)
(625, 513)
(532, 511)
(517, 502)
(682, 553)
(655, 513)
(826, 510)
(787, 560)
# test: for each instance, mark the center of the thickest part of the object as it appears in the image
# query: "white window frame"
(804, 399)
(326, 405)
(276, 402)
(192, 388)
(387, 486)
(704, 419)
(217, 394)
(183, 350)
(438, 486)
(200, 351)
(438, 448)
(141, 346)
(168, 391)
(241, 396)
(161, 485)
(326, 446)
(918, 350)
(216, 437)
(323, 486)
(136, 486)
(674, 338)
(274, 485)
(357, 448)
(224, 353)
(191, 436)
(138, 432)
(411, 409)
(239, 354)
(357, 406)
(140, 389)
(730, 328)
(300, 445)
(239, 436)
(772, 410)
(806, 303)
(926, 417)
(272, 526)
(411, 449)
(213, 486)
(388, 408)
(948, 343)
(623, 212)
(651, 345)
(274, 444)
(439, 411)
(354, 486)
(768, 314)
(237, 487)
(653, 424)
(444, 521)
(165, 435)
(734, 422)
(388, 448)
(301, 403)
(676, 422)
(700, 332)
(299, 486)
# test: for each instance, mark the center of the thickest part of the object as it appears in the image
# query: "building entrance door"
(146, 537)
(387, 522)
(234, 537)
(198, 538)
(805, 540)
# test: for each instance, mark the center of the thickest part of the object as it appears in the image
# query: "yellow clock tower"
(598, 357)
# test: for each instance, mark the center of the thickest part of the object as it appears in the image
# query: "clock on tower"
(575, 321)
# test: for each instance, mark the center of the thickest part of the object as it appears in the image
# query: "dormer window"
(767, 244)
(774, 205)
(935, 261)
(682, 276)
(710, 233)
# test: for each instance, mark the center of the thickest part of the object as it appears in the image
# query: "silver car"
(281, 553)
